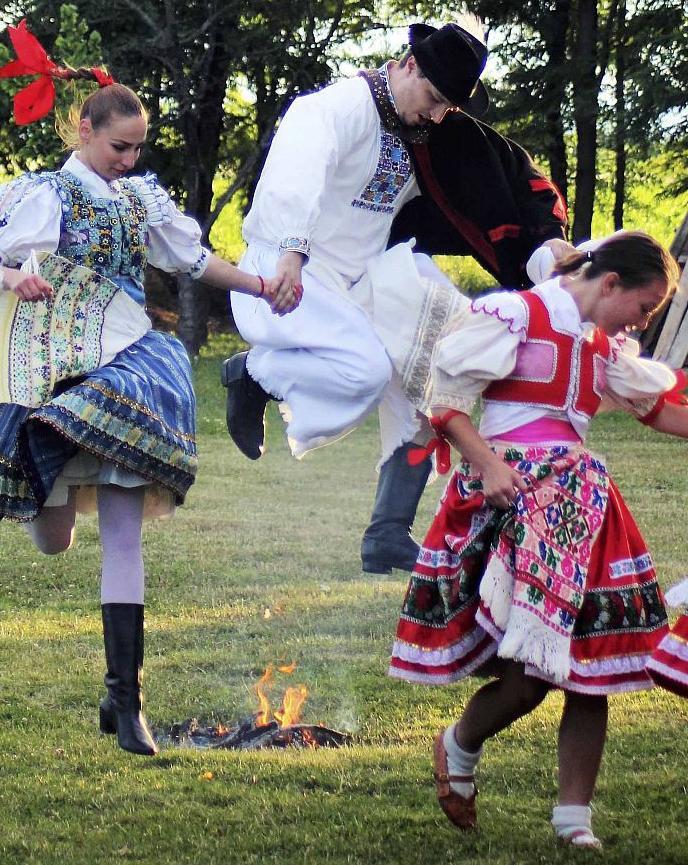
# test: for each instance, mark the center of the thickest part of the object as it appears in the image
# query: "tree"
(184, 59)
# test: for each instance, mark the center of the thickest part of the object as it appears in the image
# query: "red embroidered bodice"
(554, 370)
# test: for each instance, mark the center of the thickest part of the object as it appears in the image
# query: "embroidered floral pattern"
(106, 235)
(636, 608)
(295, 244)
(391, 175)
(57, 338)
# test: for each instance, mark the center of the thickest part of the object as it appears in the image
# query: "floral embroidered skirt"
(668, 665)
(563, 582)
(137, 413)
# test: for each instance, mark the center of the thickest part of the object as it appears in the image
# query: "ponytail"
(634, 255)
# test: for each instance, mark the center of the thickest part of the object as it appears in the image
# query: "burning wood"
(263, 729)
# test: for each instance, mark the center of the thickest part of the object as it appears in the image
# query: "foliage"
(38, 146)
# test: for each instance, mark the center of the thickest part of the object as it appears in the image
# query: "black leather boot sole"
(246, 402)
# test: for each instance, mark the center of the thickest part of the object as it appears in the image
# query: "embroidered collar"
(562, 308)
(93, 182)
(378, 82)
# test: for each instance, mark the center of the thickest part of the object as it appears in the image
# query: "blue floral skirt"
(138, 413)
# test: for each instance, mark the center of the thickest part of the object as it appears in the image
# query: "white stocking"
(460, 762)
(120, 517)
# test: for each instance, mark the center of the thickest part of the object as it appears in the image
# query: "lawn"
(262, 566)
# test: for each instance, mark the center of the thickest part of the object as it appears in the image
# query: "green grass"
(282, 536)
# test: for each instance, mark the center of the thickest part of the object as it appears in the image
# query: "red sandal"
(460, 810)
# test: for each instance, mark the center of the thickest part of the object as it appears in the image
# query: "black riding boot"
(387, 542)
(120, 711)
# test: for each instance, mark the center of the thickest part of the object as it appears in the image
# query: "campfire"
(265, 728)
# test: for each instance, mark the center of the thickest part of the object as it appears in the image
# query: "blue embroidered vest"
(107, 235)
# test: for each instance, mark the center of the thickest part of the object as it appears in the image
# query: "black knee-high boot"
(120, 711)
(387, 542)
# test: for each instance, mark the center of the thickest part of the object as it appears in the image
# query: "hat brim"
(478, 103)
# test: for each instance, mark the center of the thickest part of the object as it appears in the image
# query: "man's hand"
(560, 248)
(284, 291)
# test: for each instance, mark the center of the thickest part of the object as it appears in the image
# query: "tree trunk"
(555, 35)
(620, 117)
(202, 126)
(585, 96)
(192, 327)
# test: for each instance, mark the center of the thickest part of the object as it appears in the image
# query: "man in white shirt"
(342, 166)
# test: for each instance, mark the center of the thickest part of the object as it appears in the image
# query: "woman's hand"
(501, 484)
(281, 296)
(27, 286)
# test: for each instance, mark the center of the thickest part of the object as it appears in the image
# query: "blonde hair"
(98, 107)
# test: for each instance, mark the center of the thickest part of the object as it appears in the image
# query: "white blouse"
(479, 346)
(30, 218)
(333, 181)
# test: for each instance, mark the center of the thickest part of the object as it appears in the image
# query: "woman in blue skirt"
(124, 434)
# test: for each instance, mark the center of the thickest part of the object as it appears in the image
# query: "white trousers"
(324, 360)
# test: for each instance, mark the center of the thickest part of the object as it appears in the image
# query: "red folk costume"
(668, 665)
(563, 582)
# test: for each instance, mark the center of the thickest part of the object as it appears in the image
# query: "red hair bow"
(36, 99)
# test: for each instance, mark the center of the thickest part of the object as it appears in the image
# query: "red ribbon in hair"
(439, 445)
(36, 99)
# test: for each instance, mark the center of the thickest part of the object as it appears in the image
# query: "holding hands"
(287, 280)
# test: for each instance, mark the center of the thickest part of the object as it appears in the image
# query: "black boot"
(246, 401)
(387, 542)
(120, 711)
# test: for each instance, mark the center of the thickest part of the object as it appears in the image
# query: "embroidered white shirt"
(334, 179)
(174, 240)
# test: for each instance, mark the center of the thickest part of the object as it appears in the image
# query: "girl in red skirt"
(534, 570)
(668, 665)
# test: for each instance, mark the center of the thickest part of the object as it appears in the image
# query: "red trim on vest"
(502, 231)
(468, 230)
(574, 361)
(559, 209)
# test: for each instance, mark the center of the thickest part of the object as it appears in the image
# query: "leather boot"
(120, 711)
(246, 402)
(387, 542)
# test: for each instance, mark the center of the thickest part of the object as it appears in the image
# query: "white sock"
(574, 822)
(120, 515)
(460, 762)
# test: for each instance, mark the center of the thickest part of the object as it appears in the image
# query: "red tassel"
(103, 78)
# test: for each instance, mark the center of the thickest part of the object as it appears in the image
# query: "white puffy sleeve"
(30, 218)
(478, 346)
(174, 240)
(314, 133)
(636, 384)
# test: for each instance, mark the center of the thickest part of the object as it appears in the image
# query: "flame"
(265, 708)
(293, 700)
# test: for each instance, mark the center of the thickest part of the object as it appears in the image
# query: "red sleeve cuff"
(654, 412)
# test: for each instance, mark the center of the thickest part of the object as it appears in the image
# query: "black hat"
(453, 60)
